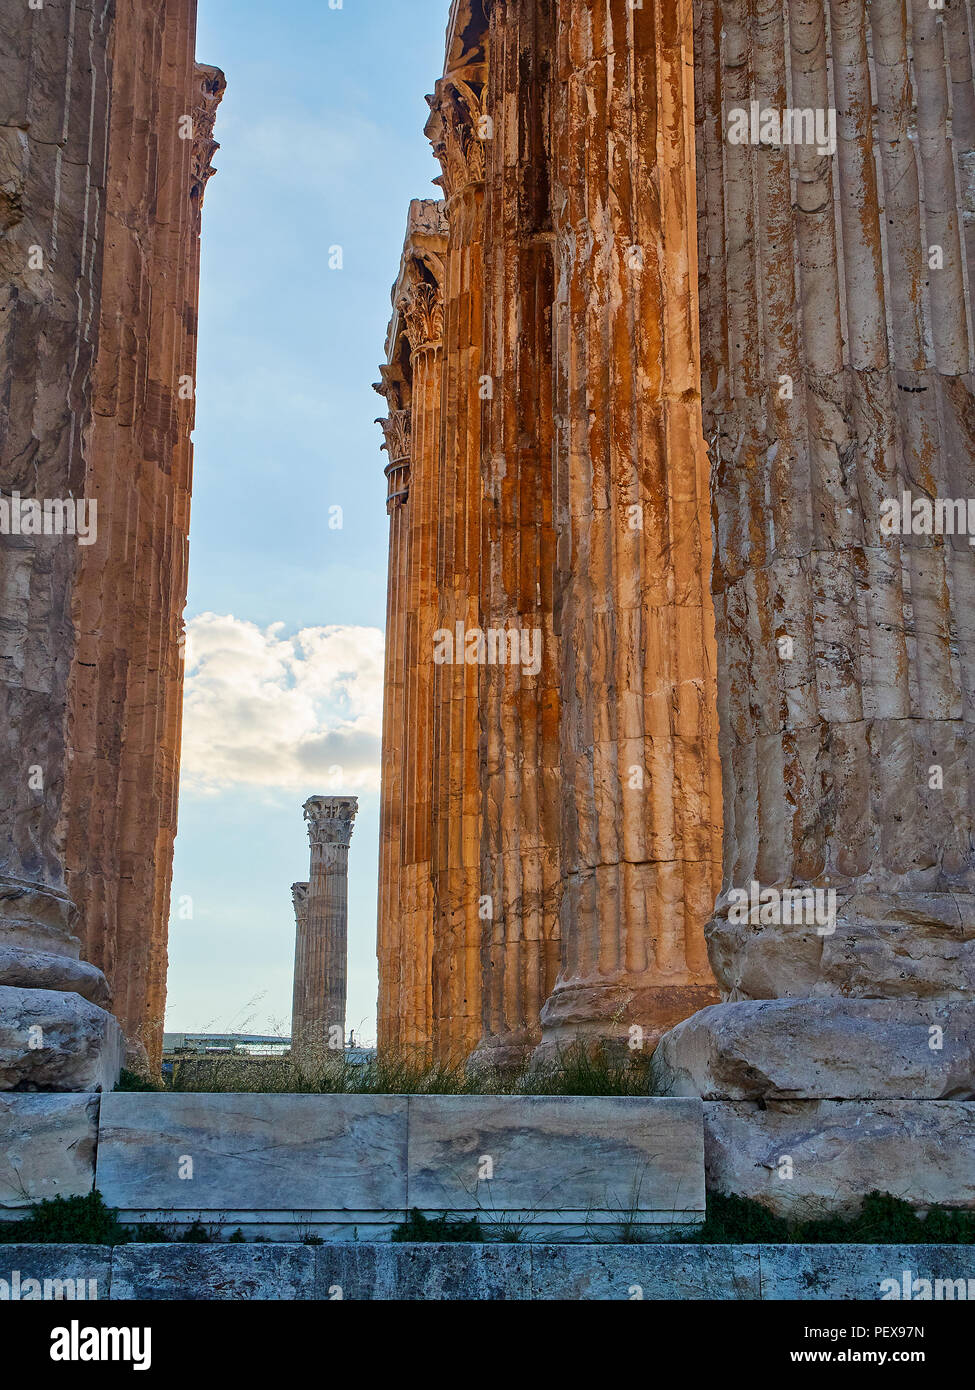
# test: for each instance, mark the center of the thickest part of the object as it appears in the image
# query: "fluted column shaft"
(321, 949)
(641, 811)
(456, 959)
(53, 142)
(522, 797)
(388, 941)
(424, 314)
(299, 900)
(126, 680)
(411, 384)
(837, 362)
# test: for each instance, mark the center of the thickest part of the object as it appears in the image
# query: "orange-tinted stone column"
(641, 797)
(456, 132)
(522, 783)
(126, 681)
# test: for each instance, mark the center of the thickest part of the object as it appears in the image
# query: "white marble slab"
(252, 1152)
(588, 1160)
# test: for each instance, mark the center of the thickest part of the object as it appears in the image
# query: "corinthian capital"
(299, 896)
(330, 819)
(397, 430)
(421, 305)
(211, 86)
(456, 129)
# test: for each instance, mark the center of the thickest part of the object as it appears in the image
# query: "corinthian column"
(126, 685)
(322, 919)
(522, 785)
(457, 132)
(640, 796)
(299, 900)
(55, 1032)
(396, 429)
(837, 368)
(419, 304)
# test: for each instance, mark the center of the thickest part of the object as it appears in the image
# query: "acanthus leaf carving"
(455, 131)
(422, 308)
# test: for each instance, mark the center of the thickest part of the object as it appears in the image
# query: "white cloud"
(302, 712)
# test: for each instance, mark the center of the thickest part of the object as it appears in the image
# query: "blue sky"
(322, 146)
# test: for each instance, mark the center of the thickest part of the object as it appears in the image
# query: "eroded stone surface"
(804, 1158)
(820, 1049)
(596, 1160)
(267, 1153)
(51, 1041)
(214, 1273)
(47, 1147)
(423, 1272)
(26, 969)
(628, 1272)
(55, 1273)
(834, 1273)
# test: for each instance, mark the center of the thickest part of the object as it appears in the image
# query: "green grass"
(446, 1228)
(132, 1081)
(881, 1220)
(67, 1221)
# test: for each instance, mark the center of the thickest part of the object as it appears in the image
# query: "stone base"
(360, 1271)
(811, 1158)
(821, 1049)
(606, 1013)
(51, 1041)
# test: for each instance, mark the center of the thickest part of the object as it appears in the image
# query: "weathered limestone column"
(421, 306)
(396, 429)
(521, 872)
(321, 950)
(412, 379)
(457, 132)
(837, 367)
(55, 1031)
(126, 682)
(299, 901)
(641, 811)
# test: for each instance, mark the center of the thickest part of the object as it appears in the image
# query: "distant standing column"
(318, 1018)
(299, 897)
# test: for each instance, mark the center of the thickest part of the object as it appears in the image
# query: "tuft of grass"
(439, 1229)
(196, 1234)
(587, 1070)
(881, 1220)
(67, 1221)
(132, 1081)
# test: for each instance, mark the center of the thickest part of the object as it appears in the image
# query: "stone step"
(442, 1272)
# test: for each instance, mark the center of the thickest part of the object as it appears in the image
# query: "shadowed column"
(837, 368)
(55, 1032)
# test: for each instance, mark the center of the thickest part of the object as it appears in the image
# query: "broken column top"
(330, 819)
